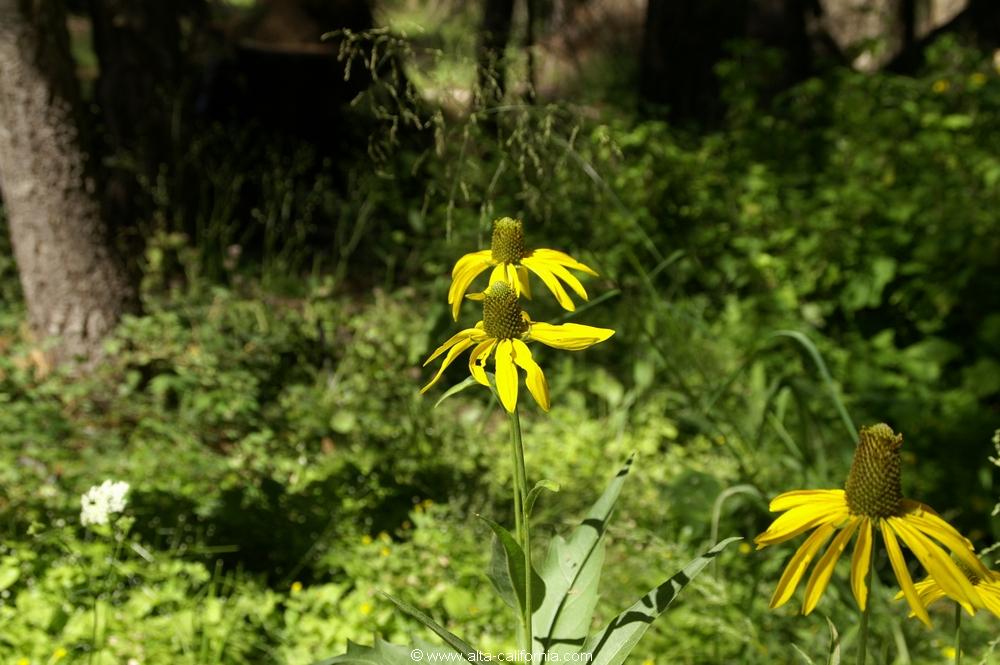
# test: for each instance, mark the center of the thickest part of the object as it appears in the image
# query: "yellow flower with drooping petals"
(929, 590)
(872, 501)
(511, 260)
(502, 333)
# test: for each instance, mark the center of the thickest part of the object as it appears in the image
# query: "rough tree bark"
(74, 286)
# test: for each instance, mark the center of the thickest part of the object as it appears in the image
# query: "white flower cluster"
(101, 501)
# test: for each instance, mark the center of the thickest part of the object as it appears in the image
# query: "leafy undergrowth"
(271, 496)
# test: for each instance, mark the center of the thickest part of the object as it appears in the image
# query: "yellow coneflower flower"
(872, 500)
(929, 590)
(504, 330)
(511, 261)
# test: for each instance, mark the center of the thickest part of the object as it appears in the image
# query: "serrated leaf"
(512, 573)
(385, 653)
(616, 640)
(572, 574)
(452, 640)
(455, 389)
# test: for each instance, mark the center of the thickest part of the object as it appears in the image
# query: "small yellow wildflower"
(23, 661)
(872, 499)
(511, 261)
(296, 587)
(941, 86)
(949, 653)
(384, 551)
(745, 548)
(977, 79)
(366, 539)
(504, 330)
(59, 654)
(366, 608)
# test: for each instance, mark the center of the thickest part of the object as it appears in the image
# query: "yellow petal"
(522, 278)
(860, 561)
(541, 269)
(928, 590)
(478, 358)
(798, 564)
(824, 567)
(455, 339)
(499, 274)
(934, 560)
(788, 500)
(568, 336)
(452, 354)
(466, 269)
(569, 278)
(926, 520)
(902, 574)
(799, 520)
(563, 259)
(506, 375)
(513, 278)
(989, 592)
(535, 379)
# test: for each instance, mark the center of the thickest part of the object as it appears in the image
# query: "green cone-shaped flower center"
(508, 241)
(502, 312)
(873, 487)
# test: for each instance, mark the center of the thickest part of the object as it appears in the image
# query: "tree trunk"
(74, 287)
(685, 39)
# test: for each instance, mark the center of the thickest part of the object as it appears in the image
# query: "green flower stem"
(523, 530)
(958, 634)
(863, 639)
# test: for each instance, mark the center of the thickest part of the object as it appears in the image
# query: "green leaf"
(549, 485)
(510, 575)
(455, 389)
(612, 645)
(499, 574)
(805, 656)
(384, 653)
(452, 640)
(9, 575)
(834, 658)
(572, 574)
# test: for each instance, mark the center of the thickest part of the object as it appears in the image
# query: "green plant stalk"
(958, 634)
(863, 639)
(519, 499)
(523, 531)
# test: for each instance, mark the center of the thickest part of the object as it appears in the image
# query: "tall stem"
(863, 639)
(958, 634)
(523, 528)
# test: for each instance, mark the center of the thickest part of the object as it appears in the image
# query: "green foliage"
(265, 406)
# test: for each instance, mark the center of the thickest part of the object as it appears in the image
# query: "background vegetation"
(822, 256)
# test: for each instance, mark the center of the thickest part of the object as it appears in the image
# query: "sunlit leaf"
(572, 574)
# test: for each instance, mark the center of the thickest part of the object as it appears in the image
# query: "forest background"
(225, 245)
